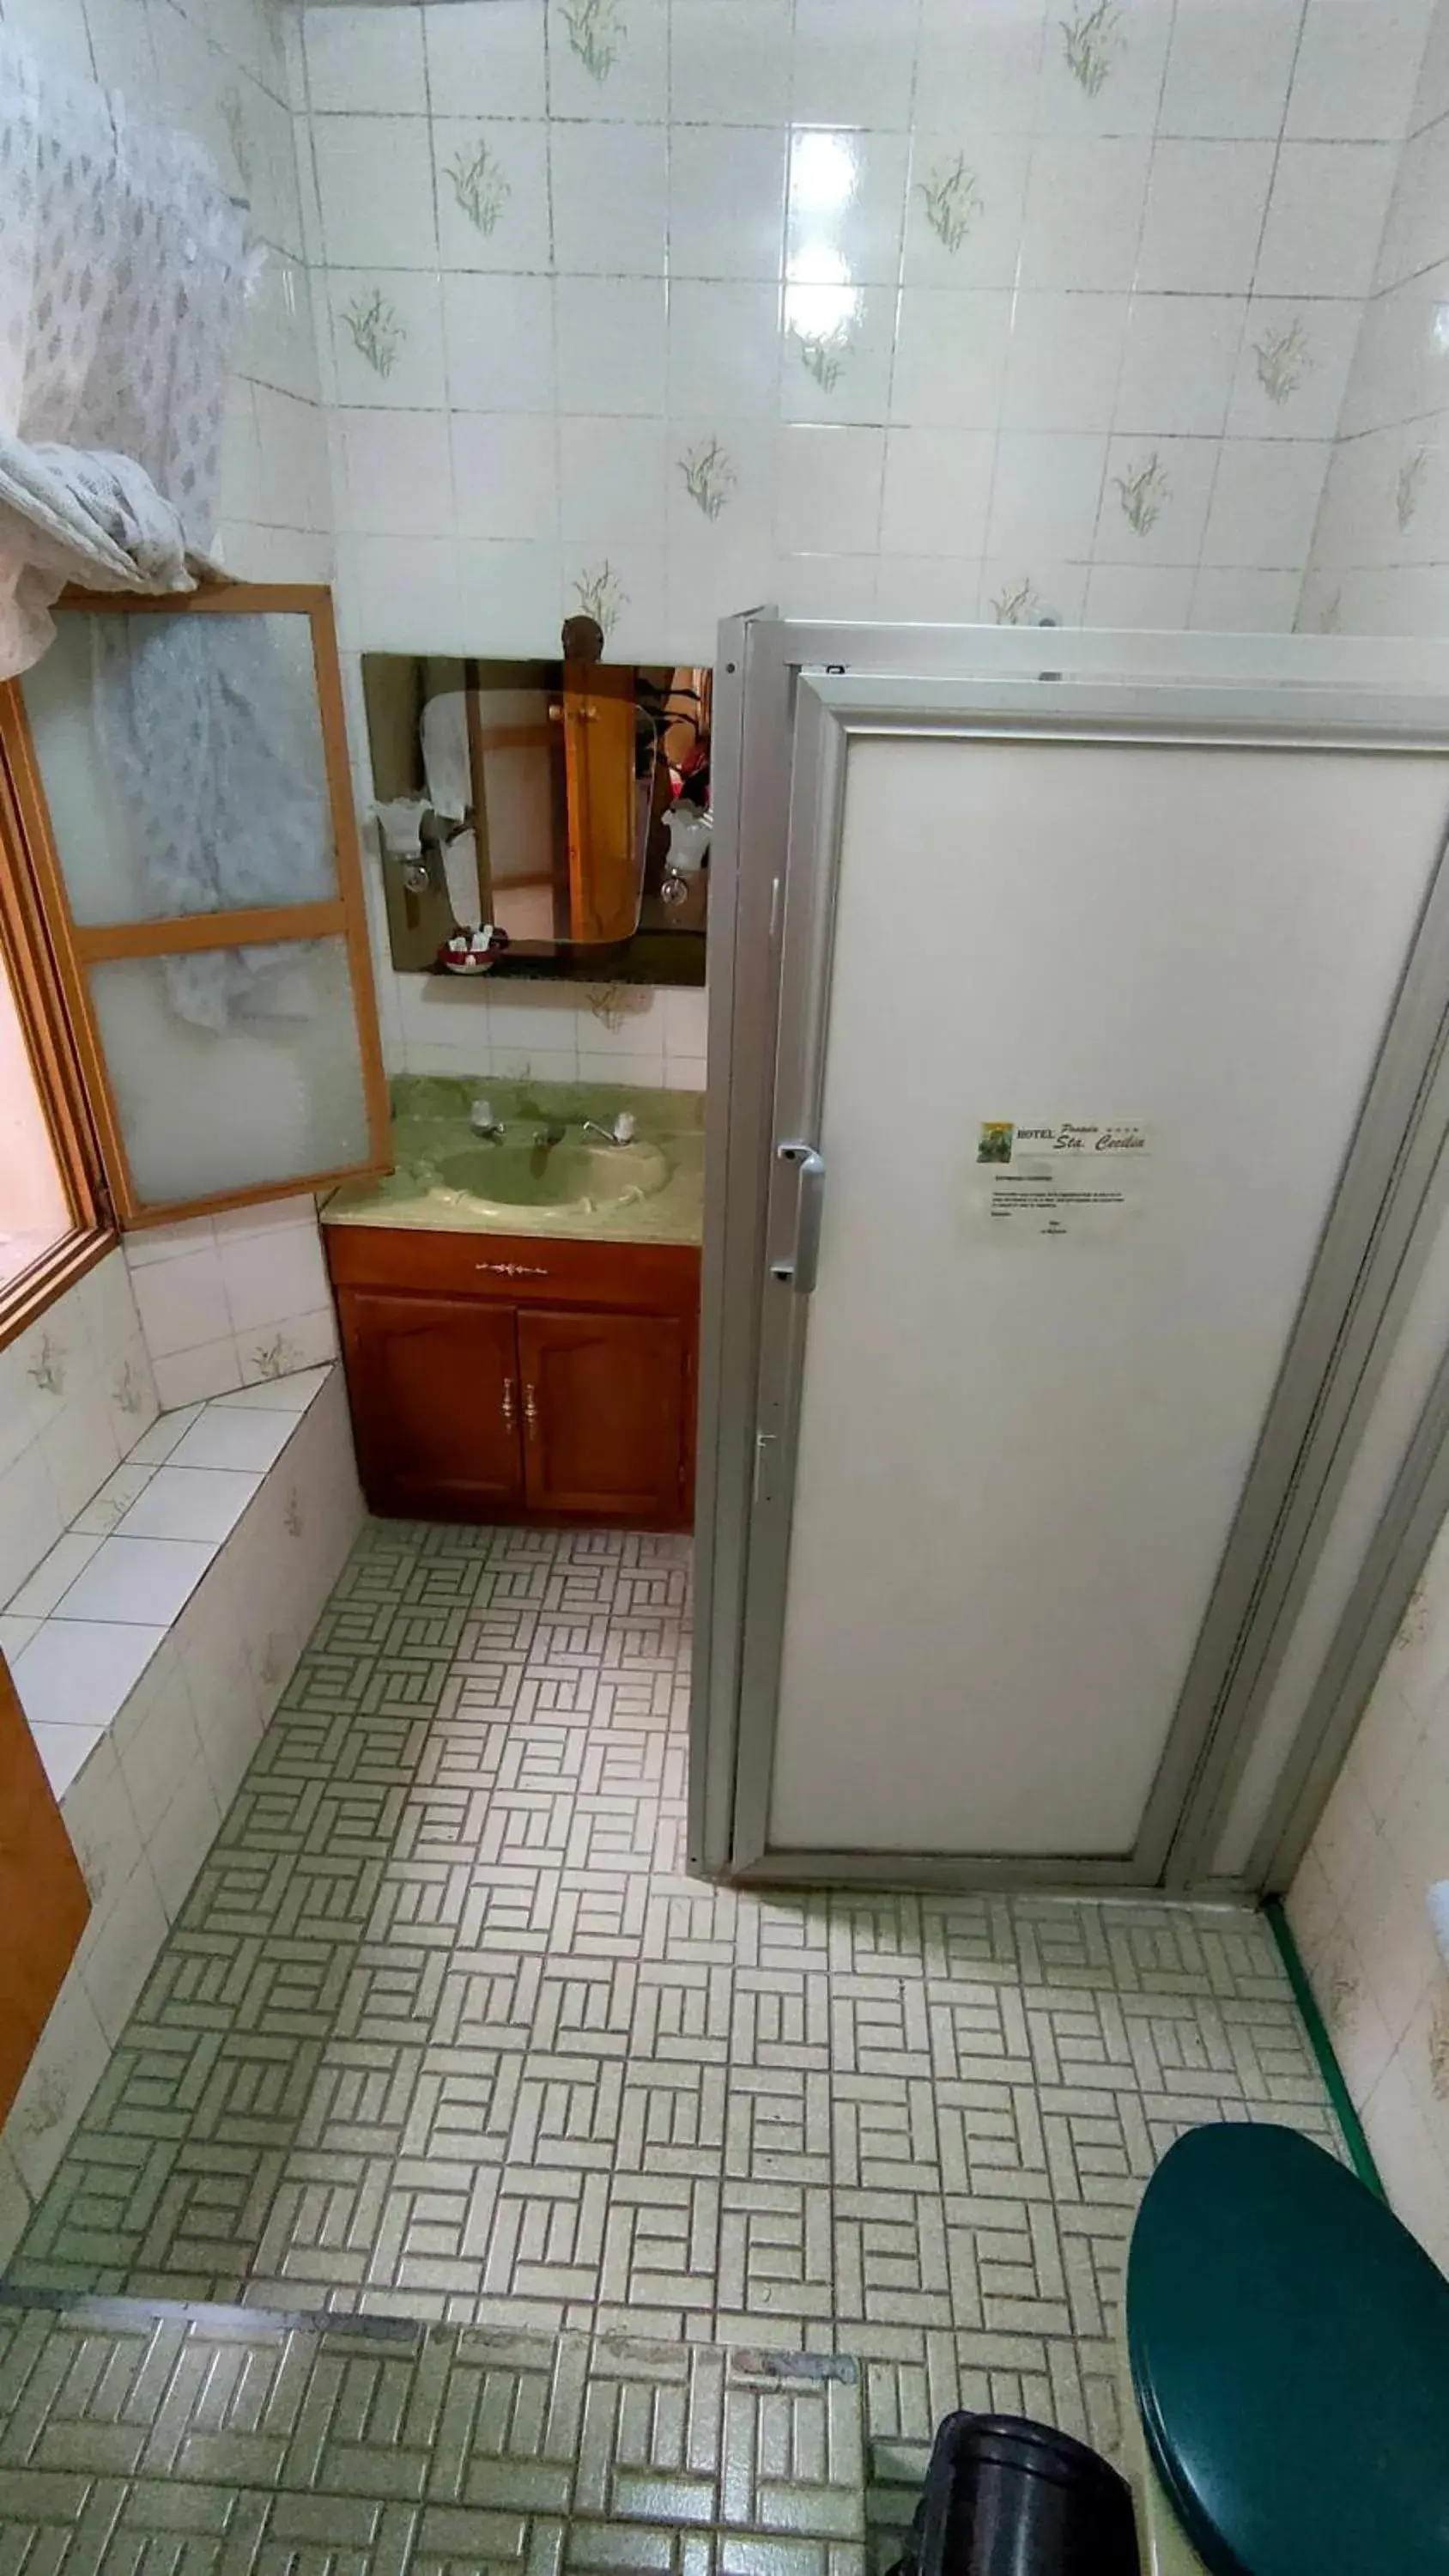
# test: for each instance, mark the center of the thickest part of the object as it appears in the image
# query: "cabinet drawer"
(518, 1270)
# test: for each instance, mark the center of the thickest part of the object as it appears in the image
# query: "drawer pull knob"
(511, 1269)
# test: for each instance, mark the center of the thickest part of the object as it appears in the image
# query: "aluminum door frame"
(788, 699)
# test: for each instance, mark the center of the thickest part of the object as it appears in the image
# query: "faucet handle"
(626, 1127)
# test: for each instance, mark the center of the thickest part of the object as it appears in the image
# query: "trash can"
(1005, 2497)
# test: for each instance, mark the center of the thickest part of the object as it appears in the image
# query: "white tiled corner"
(140, 1582)
(244, 1437)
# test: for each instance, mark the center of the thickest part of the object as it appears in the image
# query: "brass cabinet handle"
(508, 1403)
(530, 1411)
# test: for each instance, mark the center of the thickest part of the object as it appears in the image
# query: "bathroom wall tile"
(965, 206)
(505, 475)
(724, 351)
(1046, 493)
(30, 1521)
(78, 1672)
(500, 340)
(710, 579)
(853, 63)
(610, 199)
(154, 1448)
(938, 588)
(1244, 602)
(616, 70)
(375, 182)
(729, 61)
(156, 1744)
(292, 442)
(1325, 217)
(1084, 207)
(292, 1394)
(394, 474)
(270, 1271)
(1178, 364)
(189, 1502)
(983, 69)
(937, 491)
(486, 51)
(625, 587)
(58, 2083)
(838, 354)
(121, 47)
(1204, 217)
(1293, 368)
(607, 1064)
(492, 180)
(182, 1301)
(1264, 502)
(611, 344)
(365, 58)
(511, 597)
(182, 1839)
(611, 475)
(720, 479)
(1416, 233)
(16, 1633)
(135, 1582)
(950, 358)
(845, 207)
(387, 342)
(1357, 69)
(54, 1575)
(1064, 362)
(827, 586)
(234, 1436)
(190, 1375)
(1146, 596)
(1132, 56)
(399, 594)
(1230, 67)
(116, 1956)
(828, 491)
(79, 1450)
(1155, 499)
(102, 1827)
(727, 201)
(1019, 591)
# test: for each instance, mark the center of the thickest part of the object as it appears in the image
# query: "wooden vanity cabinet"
(504, 1378)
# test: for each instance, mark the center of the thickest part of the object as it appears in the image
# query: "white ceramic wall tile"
(187, 1502)
(1230, 67)
(727, 201)
(609, 64)
(386, 346)
(1064, 362)
(1204, 217)
(965, 206)
(1325, 216)
(1357, 69)
(77, 1672)
(500, 337)
(729, 61)
(1084, 209)
(366, 58)
(854, 63)
(1178, 364)
(375, 183)
(982, 68)
(492, 182)
(134, 1582)
(395, 473)
(237, 1436)
(486, 51)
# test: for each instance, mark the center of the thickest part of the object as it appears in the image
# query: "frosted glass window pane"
(182, 763)
(233, 1068)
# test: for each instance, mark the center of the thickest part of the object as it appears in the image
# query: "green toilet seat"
(1289, 2346)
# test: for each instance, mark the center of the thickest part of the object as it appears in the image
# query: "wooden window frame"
(55, 1065)
(76, 948)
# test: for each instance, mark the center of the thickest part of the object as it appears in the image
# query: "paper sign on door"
(1057, 1177)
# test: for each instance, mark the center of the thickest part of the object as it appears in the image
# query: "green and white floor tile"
(656, 2209)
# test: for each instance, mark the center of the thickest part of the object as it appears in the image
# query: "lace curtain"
(123, 265)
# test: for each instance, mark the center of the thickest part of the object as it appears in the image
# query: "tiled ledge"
(82, 1631)
(147, 1722)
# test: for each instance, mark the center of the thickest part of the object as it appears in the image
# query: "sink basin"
(573, 1174)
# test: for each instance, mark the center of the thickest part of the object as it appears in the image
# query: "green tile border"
(1360, 2152)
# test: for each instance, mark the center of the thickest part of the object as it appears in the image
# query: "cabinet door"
(434, 1384)
(43, 1900)
(604, 1400)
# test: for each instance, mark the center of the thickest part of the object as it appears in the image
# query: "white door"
(1016, 1415)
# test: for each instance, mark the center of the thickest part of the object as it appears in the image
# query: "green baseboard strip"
(1360, 2152)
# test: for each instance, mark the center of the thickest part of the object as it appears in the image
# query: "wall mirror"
(564, 804)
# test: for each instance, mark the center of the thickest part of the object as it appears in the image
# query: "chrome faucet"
(483, 1122)
(621, 1131)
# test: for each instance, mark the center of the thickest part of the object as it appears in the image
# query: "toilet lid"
(1289, 2345)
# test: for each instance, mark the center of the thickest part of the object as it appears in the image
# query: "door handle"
(530, 1411)
(508, 1403)
(799, 1271)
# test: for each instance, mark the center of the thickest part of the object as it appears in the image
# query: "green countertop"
(430, 1131)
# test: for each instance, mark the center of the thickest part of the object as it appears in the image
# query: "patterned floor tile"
(445, 2032)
